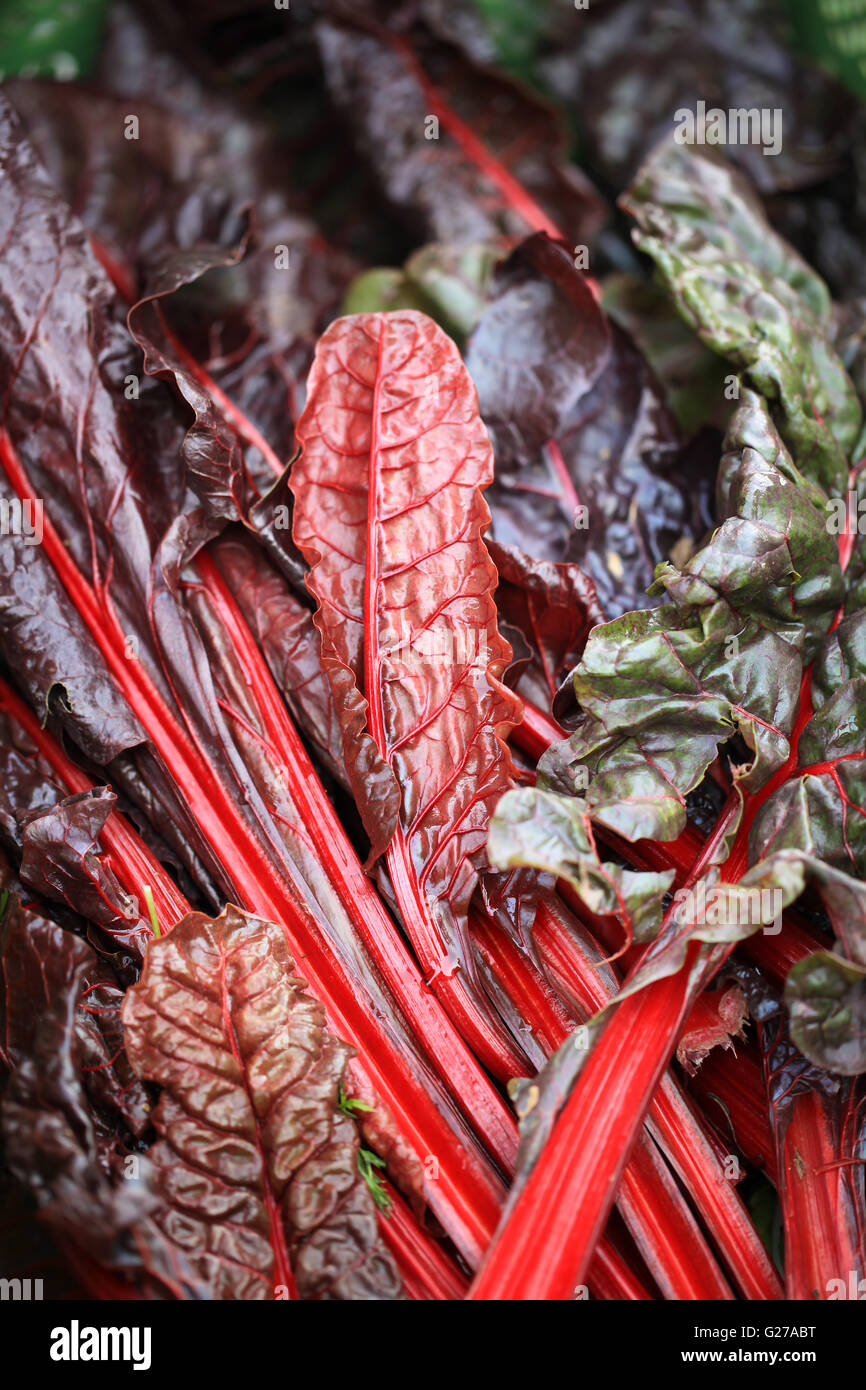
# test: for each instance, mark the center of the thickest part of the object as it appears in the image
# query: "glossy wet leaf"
(389, 515)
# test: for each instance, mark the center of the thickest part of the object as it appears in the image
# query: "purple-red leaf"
(68, 1101)
(61, 860)
(462, 152)
(552, 607)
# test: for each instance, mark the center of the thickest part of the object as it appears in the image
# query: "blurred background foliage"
(50, 38)
(60, 38)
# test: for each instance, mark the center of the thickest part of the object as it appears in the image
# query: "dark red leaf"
(257, 1163)
(461, 151)
(61, 860)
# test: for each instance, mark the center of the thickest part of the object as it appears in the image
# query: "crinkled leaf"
(256, 1160)
(749, 295)
(62, 860)
(389, 514)
(660, 691)
(381, 605)
(717, 914)
(554, 834)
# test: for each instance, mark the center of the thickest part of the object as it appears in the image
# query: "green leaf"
(51, 39)
(826, 999)
(660, 691)
(450, 283)
(542, 830)
(368, 1162)
(382, 288)
(821, 808)
(692, 375)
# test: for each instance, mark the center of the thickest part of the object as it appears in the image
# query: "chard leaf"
(61, 860)
(383, 289)
(46, 643)
(449, 282)
(120, 537)
(541, 830)
(27, 784)
(56, 1143)
(469, 177)
(537, 350)
(820, 808)
(455, 279)
(751, 298)
(552, 607)
(660, 691)
(389, 515)
(826, 999)
(27, 1243)
(249, 1119)
(589, 466)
